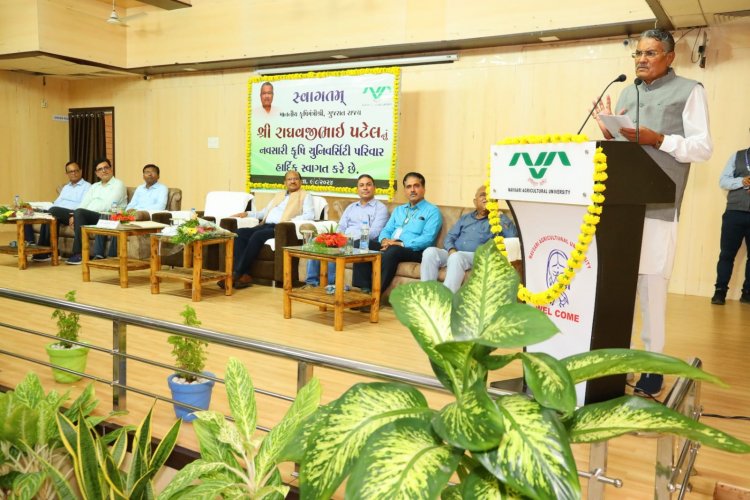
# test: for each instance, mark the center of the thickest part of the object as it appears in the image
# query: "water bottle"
(193, 214)
(112, 210)
(364, 235)
(16, 202)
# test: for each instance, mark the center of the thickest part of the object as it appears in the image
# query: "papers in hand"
(615, 122)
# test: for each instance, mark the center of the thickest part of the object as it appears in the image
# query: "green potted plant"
(64, 352)
(389, 443)
(99, 461)
(190, 358)
(234, 463)
(29, 437)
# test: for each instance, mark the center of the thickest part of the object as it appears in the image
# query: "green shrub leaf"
(187, 475)
(304, 405)
(534, 456)
(241, 394)
(403, 459)
(482, 484)
(493, 284)
(473, 422)
(603, 362)
(425, 309)
(600, 421)
(344, 426)
(549, 381)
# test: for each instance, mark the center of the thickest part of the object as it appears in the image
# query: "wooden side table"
(192, 272)
(121, 263)
(340, 299)
(23, 250)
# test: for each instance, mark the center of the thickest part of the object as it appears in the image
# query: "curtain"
(88, 141)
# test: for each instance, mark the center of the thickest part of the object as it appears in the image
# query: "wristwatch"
(658, 142)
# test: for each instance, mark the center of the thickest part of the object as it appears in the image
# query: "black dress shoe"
(719, 298)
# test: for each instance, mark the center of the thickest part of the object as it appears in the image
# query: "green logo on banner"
(377, 92)
(544, 159)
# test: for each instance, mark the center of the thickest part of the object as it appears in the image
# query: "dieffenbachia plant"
(388, 443)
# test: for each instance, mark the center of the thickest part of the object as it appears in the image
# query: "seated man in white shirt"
(151, 195)
(99, 198)
(62, 208)
(291, 204)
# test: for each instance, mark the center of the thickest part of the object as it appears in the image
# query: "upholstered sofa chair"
(407, 272)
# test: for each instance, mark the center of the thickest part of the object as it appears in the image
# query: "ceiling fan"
(114, 18)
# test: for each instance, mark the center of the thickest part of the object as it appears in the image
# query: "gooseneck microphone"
(620, 78)
(637, 82)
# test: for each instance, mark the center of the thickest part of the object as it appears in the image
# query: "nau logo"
(544, 159)
(377, 92)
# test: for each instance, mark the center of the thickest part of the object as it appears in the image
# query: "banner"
(330, 127)
(547, 173)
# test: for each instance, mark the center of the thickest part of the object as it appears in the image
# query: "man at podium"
(672, 121)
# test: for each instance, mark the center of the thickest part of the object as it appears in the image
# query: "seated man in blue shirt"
(411, 228)
(151, 196)
(366, 209)
(62, 208)
(462, 240)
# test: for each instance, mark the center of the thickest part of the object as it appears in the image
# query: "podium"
(548, 187)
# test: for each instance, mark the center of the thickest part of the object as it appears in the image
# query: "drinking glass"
(306, 238)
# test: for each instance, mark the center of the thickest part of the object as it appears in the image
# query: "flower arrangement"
(6, 212)
(330, 239)
(198, 229)
(123, 215)
(22, 210)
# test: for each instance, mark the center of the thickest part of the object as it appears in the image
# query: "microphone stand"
(620, 78)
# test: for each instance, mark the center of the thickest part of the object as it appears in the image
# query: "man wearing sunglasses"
(99, 198)
(673, 125)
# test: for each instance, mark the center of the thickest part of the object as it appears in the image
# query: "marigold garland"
(588, 227)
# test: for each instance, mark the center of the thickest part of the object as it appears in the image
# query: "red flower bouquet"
(123, 215)
(331, 240)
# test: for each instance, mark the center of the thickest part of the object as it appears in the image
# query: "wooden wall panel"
(78, 28)
(33, 145)
(253, 28)
(18, 26)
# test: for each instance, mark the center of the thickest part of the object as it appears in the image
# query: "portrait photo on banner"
(331, 127)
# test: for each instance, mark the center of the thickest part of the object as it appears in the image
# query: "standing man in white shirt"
(675, 130)
(62, 208)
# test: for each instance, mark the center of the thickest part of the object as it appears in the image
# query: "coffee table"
(121, 263)
(192, 272)
(340, 299)
(23, 250)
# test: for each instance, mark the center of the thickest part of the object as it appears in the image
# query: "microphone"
(620, 78)
(637, 82)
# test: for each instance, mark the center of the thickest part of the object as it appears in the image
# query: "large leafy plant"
(385, 439)
(233, 463)
(189, 353)
(29, 436)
